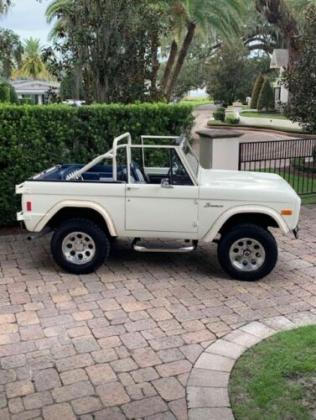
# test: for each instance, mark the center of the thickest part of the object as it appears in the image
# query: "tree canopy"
(147, 50)
(115, 48)
(11, 51)
(300, 79)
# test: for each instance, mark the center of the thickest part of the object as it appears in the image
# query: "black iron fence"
(294, 160)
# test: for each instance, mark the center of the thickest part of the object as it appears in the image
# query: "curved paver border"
(207, 387)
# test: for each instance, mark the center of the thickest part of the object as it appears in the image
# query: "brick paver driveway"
(121, 343)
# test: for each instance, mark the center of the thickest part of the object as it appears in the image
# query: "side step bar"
(181, 250)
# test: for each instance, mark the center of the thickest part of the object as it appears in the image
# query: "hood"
(254, 186)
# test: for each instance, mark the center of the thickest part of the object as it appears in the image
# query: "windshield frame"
(194, 169)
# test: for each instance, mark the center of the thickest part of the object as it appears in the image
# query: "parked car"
(157, 188)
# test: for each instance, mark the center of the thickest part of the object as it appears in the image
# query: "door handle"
(130, 188)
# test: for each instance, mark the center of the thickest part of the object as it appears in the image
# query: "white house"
(35, 90)
(280, 61)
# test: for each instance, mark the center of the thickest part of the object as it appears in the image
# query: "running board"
(181, 250)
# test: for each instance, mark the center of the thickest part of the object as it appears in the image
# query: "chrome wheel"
(78, 248)
(247, 254)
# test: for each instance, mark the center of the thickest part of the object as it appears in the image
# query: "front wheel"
(247, 252)
(79, 246)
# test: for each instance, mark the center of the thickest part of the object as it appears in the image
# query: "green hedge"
(33, 138)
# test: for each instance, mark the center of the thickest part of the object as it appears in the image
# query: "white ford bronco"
(156, 188)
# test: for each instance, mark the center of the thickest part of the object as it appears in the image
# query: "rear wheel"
(247, 252)
(79, 246)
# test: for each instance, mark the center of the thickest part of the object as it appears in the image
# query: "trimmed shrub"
(256, 91)
(232, 119)
(26, 101)
(13, 96)
(34, 138)
(8, 93)
(266, 97)
(219, 114)
(4, 92)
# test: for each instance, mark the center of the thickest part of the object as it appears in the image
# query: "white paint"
(225, 153)
(194, 211)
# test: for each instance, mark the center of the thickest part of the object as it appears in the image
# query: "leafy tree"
(256, 91)
(32, 65)
(266, 96)
(68, 88)
(111, 47)
(288, 17)
(231, 74)
(10, 52)
(4, 6)
(300, 79)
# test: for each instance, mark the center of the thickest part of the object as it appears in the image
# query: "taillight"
(29, 206)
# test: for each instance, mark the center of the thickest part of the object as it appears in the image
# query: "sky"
(27, 19)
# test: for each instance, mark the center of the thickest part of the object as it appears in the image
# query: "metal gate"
(294, 160)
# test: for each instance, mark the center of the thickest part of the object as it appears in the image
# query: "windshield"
(191, 158)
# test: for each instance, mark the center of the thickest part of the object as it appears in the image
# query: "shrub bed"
(219, 114)
(301, 165)
(33, 138)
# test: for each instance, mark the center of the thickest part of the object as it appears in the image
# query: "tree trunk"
(169, 67)
(154, 64)
(180, 60)
(78, 80)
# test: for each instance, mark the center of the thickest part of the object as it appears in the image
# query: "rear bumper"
(20, 216)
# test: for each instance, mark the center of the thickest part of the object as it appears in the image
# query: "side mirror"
(165, 183)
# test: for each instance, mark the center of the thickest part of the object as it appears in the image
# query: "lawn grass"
(275, 379)
(270, 115)
(196, 101)
(301, 184)
(212, 123)
(308, 199)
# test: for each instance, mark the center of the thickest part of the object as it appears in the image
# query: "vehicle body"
(152, 190)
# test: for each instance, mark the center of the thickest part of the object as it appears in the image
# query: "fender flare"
(79, 204)
(211, 234)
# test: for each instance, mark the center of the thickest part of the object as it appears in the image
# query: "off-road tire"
(95, 232)
(259, 235)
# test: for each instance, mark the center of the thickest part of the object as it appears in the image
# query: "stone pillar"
(219, 148)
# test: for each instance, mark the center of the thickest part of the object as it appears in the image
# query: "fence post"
(219, 149)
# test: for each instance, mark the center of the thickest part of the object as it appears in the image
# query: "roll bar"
(116, 146)
(112, 154)
(108, 155)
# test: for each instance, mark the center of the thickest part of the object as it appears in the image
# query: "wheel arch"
(70, 209)
(261, 216)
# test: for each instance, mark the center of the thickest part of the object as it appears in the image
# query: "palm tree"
(279, 13)
(32, 66)
(61, 10)
(204, 16)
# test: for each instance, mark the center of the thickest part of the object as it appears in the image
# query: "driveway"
(203, 114)
(121, 343)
